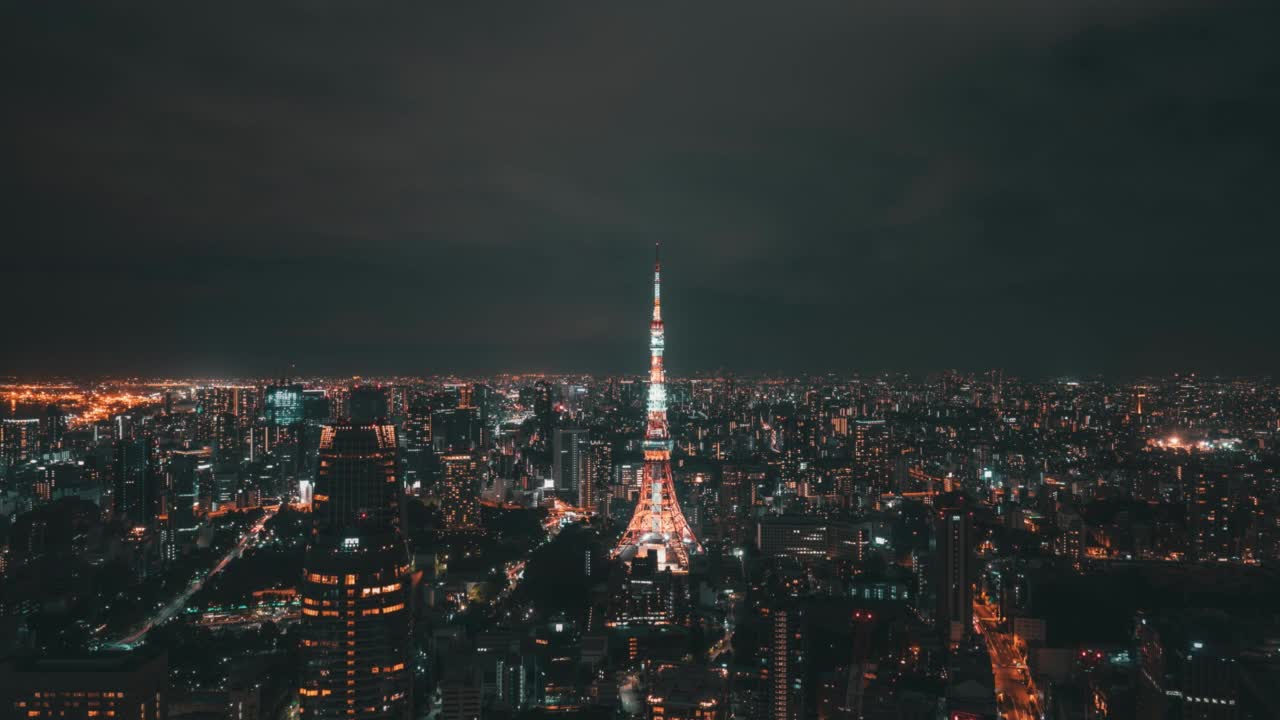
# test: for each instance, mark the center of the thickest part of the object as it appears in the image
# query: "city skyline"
(321, 390)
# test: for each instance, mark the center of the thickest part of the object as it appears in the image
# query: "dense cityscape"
(640, 361)
(961, 545)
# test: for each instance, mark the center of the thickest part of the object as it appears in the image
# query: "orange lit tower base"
(658, 527)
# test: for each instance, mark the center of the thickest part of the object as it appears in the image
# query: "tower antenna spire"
(657, 281)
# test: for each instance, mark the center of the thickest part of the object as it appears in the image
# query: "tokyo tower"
(658, 527)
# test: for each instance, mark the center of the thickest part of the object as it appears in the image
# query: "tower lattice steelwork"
(658, 525)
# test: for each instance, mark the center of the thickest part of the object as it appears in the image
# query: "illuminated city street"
(1009, 667)
(178, 603)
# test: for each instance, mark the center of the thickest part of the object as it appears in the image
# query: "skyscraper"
(356, 585)
(284, 405)
(484, 400)
(19, 441)
(357, 483)
(658, 525)
(53, 427)
(225, 433)
(456, 430)
(184, 485)
(544, 411)
(783, 668)
(871, 454)
(737, 495)
(570, 461)
(458, 505)
(601, 473)
(136, 490)
(368, 404)
(954, 564)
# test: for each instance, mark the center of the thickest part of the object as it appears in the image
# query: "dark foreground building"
(356, 584)
(125, 686)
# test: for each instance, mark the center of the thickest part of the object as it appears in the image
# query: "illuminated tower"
(658, 525)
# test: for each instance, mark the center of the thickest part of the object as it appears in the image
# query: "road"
(175, 606)
(725, 643)
(1012, 677)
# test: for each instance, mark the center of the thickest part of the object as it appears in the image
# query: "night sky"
(1046, 187)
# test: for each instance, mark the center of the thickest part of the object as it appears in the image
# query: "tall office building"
(736, 496)
(456, 430)
(738, 488)
(368, 404)
(284, 405)
(954, 564)
(185, 467)
(224, 485)
(458, 504)
(136, 489)
(485, 401)
(658, 526)
(570, 461)
(356, 586)
(398, 398)
(224, 432)
(53, 427)
(357, 484)
(417, 424)
(544, 411)
(315, 405)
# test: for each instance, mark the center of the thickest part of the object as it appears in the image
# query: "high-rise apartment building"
(1214, 495)
(19, 441)
(871, 457)
(599, 475)
(459, 508)
(783, 670)
(954, 564)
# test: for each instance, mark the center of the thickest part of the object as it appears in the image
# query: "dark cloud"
(1062, 187)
